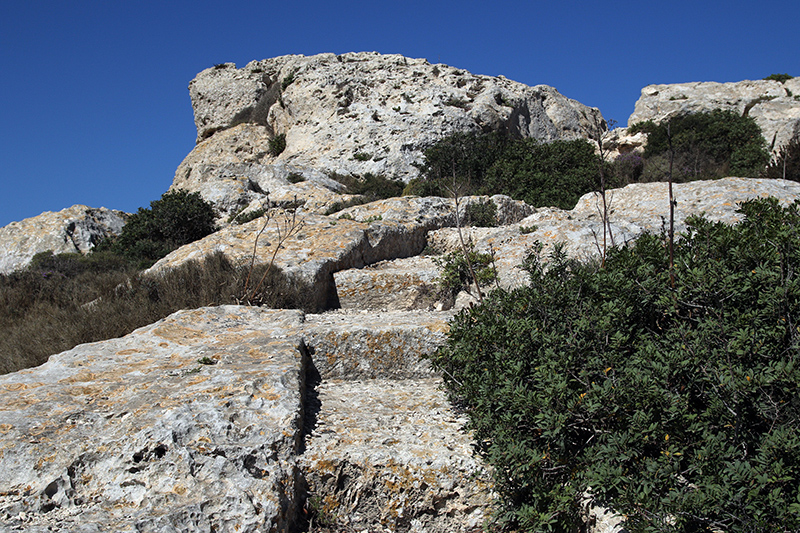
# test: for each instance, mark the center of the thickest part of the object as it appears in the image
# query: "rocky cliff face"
(73, 230)
(350, 114)
(773, 105)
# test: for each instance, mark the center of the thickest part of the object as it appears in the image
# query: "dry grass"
(56, 305)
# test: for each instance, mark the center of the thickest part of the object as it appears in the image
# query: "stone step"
(400, 284)
(360, 345)
(391, 455)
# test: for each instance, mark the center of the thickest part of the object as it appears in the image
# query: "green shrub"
(456, 277)
(787, 164)
(459, 160)
(707, 145)
(176, 219)
(295, 177)
(552, 174)
(481, 214)
(678, 406)
(277, 145)
(779, 77)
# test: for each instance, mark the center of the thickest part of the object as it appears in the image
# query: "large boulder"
(353, 114)
(76, 229)
(772, 104)
(144, 433)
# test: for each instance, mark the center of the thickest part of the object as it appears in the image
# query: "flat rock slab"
(395, 460)
(137, 434)
(375, 345)
(401, 284)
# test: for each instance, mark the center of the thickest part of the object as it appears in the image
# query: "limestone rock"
(396, 460)
(395, 285)
(634, 209)
(137, 434)
(76, 229)
(353, 114)
(772, 104)
(388, 345)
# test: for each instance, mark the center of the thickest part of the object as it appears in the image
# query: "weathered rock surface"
(135, 434)
(351, 114)
(352, 238)
(73, 230)
(394, 285)
(142, 434)
(772, 104)
(634, 209)
(385, 462)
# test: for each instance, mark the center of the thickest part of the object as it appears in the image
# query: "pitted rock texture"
(375, 345)
(355, 113)
(143, 433)
(772, 104)
(138, 434)
(633, 210)
(76, 229)
(383, 463)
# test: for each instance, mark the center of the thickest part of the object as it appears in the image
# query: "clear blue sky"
(95, 106)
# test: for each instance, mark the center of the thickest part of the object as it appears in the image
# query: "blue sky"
(95, 106)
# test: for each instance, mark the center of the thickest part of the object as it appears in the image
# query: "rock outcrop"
(76, 229)
(350, 114)
(775, 106)
(215, 420)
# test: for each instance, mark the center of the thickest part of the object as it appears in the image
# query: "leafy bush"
(460, 160)
(552, 174)
(707, 145)
(64, 300)
(779, 77)
(176, 219)
(456, 277)
(627, 168)
(676, 407)
(787, 164)
(481, 214)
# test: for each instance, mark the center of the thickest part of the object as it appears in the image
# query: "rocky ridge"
(350, 114)
(244, 419)
(73, 230)
(774, 106)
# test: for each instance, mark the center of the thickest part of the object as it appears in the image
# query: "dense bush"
(676, 407)
(176, 219)
(458, 161)
(64, 300)
(551, 174)
(779, 77)
(787, 164)
(706, 145)
(541, 174)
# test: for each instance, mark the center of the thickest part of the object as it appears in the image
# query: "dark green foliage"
(295, 177)
(244, 218)
(176, 219)
(678, 407)
(277, 145)
(371, 186)
(64, 300)
(456, 277)
(482, 214)
(552, 174)
(707, 145)
(787, 164)
(778, 77)
(459, 161)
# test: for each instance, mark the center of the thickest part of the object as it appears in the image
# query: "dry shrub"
(46, 311)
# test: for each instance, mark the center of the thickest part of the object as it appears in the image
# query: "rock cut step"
(374, 345)
(391, 455)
